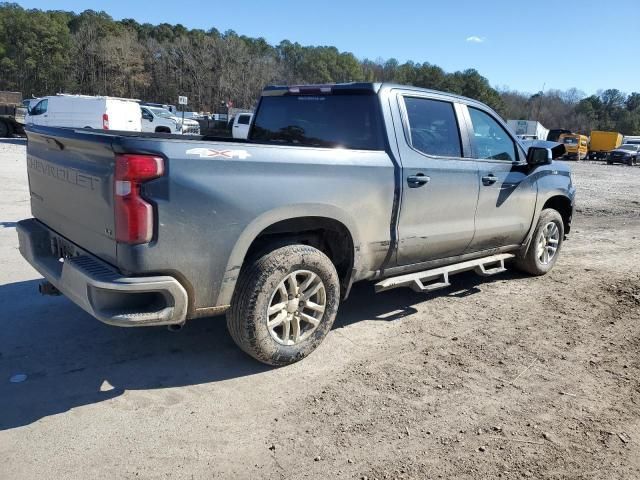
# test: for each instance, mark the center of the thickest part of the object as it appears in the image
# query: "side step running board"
(437, 278)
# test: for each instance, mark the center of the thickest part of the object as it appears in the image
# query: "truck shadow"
(71, 360)
(364, 304)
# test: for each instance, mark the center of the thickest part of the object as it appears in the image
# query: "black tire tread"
(241, 315)
(528, 263)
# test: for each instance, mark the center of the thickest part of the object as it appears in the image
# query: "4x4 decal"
(212, 153)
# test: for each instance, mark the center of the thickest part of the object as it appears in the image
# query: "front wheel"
(545, 245)
(284, 304)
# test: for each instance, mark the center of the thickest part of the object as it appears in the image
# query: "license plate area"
(62, 249)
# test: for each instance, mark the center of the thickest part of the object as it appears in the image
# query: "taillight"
(134, 215)
(105, 121)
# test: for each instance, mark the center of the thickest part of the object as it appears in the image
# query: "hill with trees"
(46, 52)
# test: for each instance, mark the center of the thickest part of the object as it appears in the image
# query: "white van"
(82, 111)
(241, 125)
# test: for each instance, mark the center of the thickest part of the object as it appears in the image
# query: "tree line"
(47, 52)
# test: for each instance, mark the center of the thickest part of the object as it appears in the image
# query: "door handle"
(417, 180)
(489, 179)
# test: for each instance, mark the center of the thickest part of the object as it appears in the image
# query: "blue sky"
(521, 44)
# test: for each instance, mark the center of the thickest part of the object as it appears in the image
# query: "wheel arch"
(562, 204)
(325, 227)
(560, 201)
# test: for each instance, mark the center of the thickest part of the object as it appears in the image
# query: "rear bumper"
(96, 286)
(613, 159)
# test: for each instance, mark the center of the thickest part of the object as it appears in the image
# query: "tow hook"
(47, 288)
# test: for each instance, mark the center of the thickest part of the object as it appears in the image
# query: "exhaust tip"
(176, 327)
(47, 288)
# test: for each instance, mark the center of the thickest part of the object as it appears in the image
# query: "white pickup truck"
(161, 120)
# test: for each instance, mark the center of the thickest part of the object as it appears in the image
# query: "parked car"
(335, 184)
(82, 111)
(241, 124)
(190, 115)
(602, 143)
(631, 140)
(161, 120)
(627, 154)
(171, 108)
(577, 146)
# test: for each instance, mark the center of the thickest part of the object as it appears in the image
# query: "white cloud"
(475, 39)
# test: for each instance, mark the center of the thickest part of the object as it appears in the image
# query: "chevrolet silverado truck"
(335, 184)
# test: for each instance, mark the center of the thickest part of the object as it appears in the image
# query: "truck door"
(146, 120)
(507, 198)
(39, 113)
(440, 185)
(241, 126)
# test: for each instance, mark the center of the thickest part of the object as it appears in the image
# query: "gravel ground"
(509, 377)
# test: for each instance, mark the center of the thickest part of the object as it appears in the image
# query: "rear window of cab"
(347, 121)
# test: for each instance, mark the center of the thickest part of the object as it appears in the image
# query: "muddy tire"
(545, 245)
(284, 304)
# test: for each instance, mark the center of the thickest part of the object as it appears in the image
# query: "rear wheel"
(545, 245)
(284, 304)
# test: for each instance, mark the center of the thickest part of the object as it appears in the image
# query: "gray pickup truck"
(335, 184)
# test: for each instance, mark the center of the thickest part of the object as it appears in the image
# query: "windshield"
(631, 148)
(570, 140)
(349, 121)
(161, 112)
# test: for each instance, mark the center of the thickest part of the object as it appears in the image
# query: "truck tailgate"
(71, 186)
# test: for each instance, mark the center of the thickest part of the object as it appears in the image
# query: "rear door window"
(338, 120)
(243, 119)
(491, 141)
(433, 128)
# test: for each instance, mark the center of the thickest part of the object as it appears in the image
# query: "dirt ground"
(509, 377)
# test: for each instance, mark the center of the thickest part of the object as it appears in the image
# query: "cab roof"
(353, 88)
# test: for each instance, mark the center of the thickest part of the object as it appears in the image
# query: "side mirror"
(539, 156)
(543, 152)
